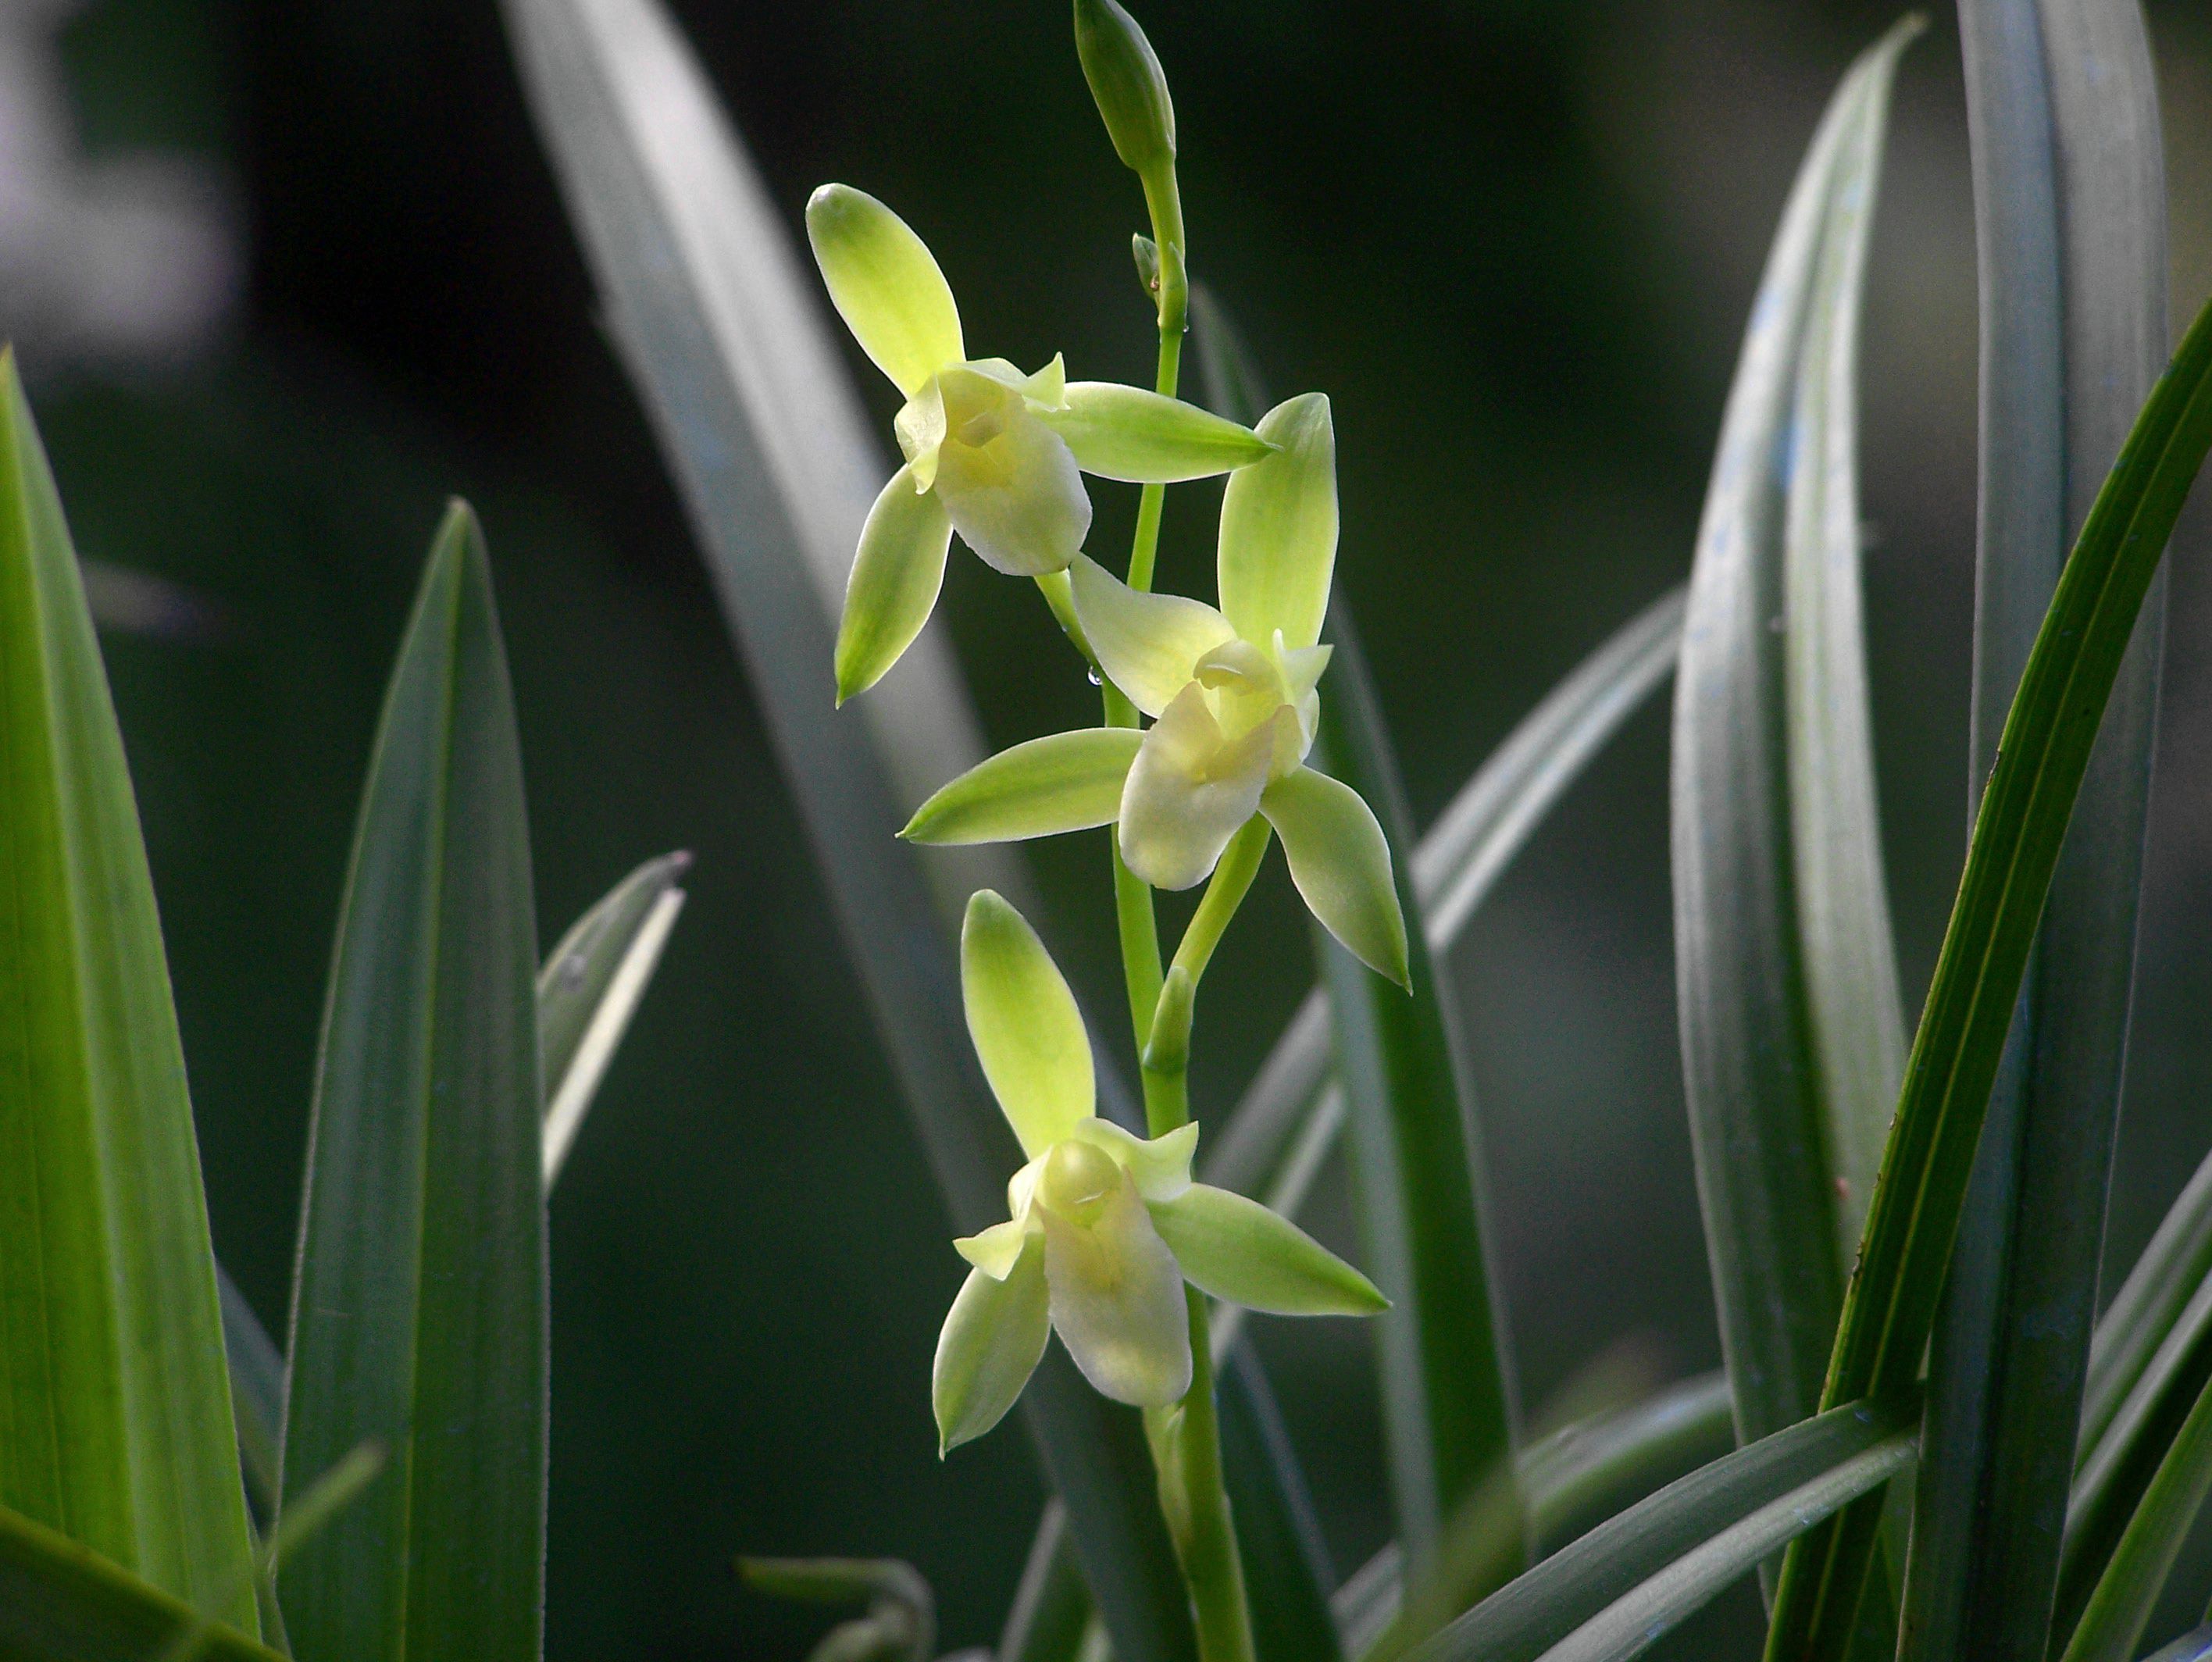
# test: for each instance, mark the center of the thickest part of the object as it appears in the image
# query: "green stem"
(1185, 1438)
(1186, 1442)
(1166, 1054)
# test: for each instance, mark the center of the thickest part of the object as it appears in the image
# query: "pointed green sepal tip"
(1129, 84)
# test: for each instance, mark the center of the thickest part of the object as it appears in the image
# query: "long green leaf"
(1579, 1477)
(257, 1393)
(1638, 1622)
(1457, 864)
(1855, 1012)
(2070, 194)
(419, 1315)
(1582, 1580)
(1287, 1576)
(2120, 1469)
(2151, 1301)
(725, 340)
(2190, 1647)
(1052, 1606)
(115, 1411)
(588, 989)
(2120, 1608)
(2042, 756)
(1447, 1385)
(62, 1602)
(1759, 1028)
(1575, 1478)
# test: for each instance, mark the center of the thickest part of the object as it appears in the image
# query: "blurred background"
(286, 273)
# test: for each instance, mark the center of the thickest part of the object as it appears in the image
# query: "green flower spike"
(990, 453)
(1106, 1227)
(1233, 693)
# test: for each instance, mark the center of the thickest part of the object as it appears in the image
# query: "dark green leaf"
(1417, 1162)
(1754, 1047)
(1052, 1606)
(61, 1602)
(2190, 1647)
(726, 341)
(2120, 1608)
(2070, 191)
(1580, 1581)
(419, 1318)
(1579, 1477)
(2167, 1276)
(257, 1393)
(1634, 1624)
(2043, 755)
(588, 988)
(115, 1411)
(2119, 1471)
(1287, 1576)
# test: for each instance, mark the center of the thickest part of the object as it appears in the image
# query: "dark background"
(1513, 239)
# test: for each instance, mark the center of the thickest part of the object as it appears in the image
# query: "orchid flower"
(991, 452)
(1233, 692)
(1106, 1227)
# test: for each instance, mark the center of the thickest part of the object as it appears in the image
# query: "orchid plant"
(1108, 1242)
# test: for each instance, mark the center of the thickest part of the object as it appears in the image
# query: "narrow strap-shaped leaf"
(1575, 1479)
(1753, 1067)
(1287, 1576)
(419, 1314)
(729, 351)
(115, 1411)
(1855, 1012)
(1579, 1477)
(61, 1602)
(2042, 756)
(2120, 1469)
(1544, 1606)
(2134, 1326)
(1636, 1622)
(1447, 1386)
(2120, 1607)
(257, 1393)
(2070, 192)
(588, 988)
(1052, 1606)
(2193, 1647)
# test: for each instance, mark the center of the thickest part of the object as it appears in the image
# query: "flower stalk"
(1107, 1242)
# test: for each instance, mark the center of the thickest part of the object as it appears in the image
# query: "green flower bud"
(1126, 81)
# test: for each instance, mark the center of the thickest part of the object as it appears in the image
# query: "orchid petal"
(1008, 479)
(1189, 791)
(1126, 432)
(1341, 865)
(1062, 782)
(1026, 1029)
(885, 284)
(1117, 1299)
(1237, 1250)
(1278, 545)
(993, 1338)
(1160, 1165)
(894, 582)
(994, 1250)
(1148, 644)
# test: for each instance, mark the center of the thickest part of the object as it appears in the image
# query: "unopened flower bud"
(1126, 81)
